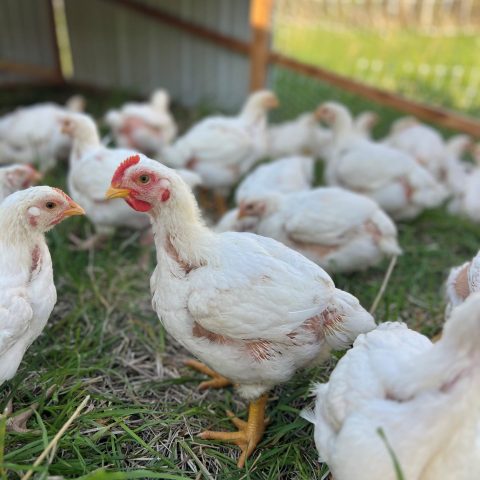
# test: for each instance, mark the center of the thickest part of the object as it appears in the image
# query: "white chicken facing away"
(422, 142)
(145, 127)
(27, 293)
(391, 177)
(286, 175)
(222, 149)
(16, 177)
(424, 396)
(90, 171)
(339, 230)
(252, 309)
(32, 134)
(462, 281)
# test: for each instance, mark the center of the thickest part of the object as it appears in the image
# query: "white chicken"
(286, 175)
(91, 168)
(252, 309)
(424, 396)
(301, 136)
(339, 230)
(27, 293)
(365, 122)
(464, 181)
(422, 142)
(32, 134)
(457, 171)
(146, 127)
(222, 149)
(16, 177)
(391, 177)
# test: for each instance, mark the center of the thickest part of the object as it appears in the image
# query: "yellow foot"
(249, 433)
(217, 380)
(18, 422)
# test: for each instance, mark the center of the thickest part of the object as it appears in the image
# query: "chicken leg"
(18, 423)
(249, 433)
(217, 380)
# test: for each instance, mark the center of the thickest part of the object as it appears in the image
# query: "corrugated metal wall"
(25, 37)
(116, 47)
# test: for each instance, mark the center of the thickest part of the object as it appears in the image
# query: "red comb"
(118, 175)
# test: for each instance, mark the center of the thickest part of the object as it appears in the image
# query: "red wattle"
(165, 195)
(138, 205)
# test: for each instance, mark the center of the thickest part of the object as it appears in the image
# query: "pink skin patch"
(32, 220)
(35, 258)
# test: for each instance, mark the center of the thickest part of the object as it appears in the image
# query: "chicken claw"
(217, 380)
(249, 433)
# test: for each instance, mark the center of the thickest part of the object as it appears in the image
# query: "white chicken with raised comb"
(424, 396)
(252, 309)
(462, 281)
(339, 230)
(145, 127)
(16, 177)
(222, 149)
(424, 143)
(391, 177)
(27, 291)
(91, 168)
(32, 135)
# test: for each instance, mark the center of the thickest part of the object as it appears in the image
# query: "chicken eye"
(50, 205)
(144, 178)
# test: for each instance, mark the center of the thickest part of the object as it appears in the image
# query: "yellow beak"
(75, 209)
(113, 192)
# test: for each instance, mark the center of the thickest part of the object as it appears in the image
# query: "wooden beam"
(54, 40)
(35, 71)
(211, 36)
(260, 22)
(441, 116)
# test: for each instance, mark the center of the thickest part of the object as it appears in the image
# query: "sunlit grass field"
(437, 69)
(105, 341)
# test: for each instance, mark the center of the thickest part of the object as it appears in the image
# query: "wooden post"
(54, 41)
(260, 20)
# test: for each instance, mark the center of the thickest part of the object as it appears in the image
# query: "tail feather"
(388, 238)
(346, 320)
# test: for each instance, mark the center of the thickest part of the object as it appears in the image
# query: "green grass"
(408, 62)
(103, 339)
